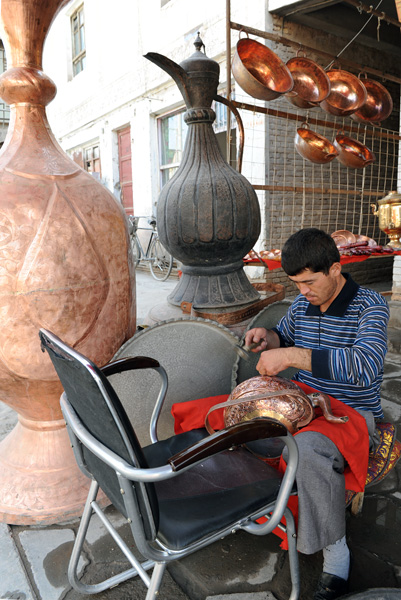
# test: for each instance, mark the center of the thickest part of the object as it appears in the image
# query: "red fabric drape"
(351, 438)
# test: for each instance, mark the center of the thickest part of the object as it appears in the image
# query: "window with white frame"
(4, 108)
(172, 134)
(78, 40)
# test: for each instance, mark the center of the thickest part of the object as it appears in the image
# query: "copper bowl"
(347, 93)
(352, 153)
(343, 237)
(378, 106)
(311, 84)
(260, 72)
(314, 147)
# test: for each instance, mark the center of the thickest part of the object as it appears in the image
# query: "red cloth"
(351, 438)
(275, 264)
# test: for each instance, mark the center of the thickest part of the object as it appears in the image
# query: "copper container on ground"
(311, 84)
(378, 106)
(347, 93)
(314, 147)
(352, 153)
(55, 272)
(389, 213)
(259, 71)
(276, 398)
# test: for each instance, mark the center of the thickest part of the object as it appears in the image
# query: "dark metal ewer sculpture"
(64, 265)
(208, 213)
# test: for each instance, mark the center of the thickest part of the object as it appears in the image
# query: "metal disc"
(198, 356)
(268, 317)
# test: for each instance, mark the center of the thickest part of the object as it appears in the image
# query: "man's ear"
(335, 269)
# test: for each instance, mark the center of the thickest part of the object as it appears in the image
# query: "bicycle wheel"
(161, 262)
(136, 252)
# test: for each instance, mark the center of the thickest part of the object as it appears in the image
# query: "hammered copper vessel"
(378, 105)
(276, 398)
(347, 93)
(314, 147)
(352, 153)
(56, 272)
(259, 71)
(389, 213)
(311, 84)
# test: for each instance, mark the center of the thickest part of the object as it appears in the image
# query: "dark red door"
(125, 166)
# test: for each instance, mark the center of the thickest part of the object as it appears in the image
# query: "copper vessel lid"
(198, 61)
(391, 198)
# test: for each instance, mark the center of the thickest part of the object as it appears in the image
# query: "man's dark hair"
(309, 248)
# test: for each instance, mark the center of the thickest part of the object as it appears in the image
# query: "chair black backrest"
(98, 407)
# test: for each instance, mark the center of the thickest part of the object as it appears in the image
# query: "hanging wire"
(353, 39)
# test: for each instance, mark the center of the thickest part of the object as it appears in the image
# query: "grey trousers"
(321, 489)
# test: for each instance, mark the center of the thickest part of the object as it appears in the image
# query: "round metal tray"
(267, 318)
(198, 356)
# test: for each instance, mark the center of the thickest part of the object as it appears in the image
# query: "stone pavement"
(34, 559)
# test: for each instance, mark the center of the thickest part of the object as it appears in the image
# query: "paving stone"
(13, 580)
(48, 552)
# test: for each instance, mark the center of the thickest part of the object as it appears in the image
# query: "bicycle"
(160, 261)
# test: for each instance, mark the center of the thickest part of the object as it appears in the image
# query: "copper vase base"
(40, 482)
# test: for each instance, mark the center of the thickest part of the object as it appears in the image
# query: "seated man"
(335, 333)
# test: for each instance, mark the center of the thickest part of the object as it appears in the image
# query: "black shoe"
(330, 587)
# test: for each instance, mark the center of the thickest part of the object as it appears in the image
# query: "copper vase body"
(208, 214)
(65, 266)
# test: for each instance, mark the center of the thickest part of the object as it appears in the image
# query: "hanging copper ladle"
(347, 93)
(311, 84)
(352, 153)
(314, 147)
(378, 105)
(259, 71)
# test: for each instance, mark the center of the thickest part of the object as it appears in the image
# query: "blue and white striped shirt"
(348, 342)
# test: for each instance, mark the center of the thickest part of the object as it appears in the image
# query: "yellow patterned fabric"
(383, 459)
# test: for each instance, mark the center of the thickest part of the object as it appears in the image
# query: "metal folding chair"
(179, 494)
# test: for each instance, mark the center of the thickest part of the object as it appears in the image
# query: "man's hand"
(261, 338)
(272, 362)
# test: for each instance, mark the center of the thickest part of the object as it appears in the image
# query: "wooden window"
(78, 41)
(92, 159)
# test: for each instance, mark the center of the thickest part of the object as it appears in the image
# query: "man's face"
(318, 288)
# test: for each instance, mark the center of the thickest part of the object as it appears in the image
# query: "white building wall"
(119, 87)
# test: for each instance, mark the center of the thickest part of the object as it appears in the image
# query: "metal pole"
(228, 76)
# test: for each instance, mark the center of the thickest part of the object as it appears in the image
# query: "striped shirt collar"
(340, 304)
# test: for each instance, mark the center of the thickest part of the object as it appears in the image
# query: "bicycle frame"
(144, 254)
(159, 259)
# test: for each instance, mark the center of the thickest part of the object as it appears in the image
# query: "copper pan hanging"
(311, 84)
(352, 153)
(314, 147)
(347, 93)
(378, 105)
(259, 71)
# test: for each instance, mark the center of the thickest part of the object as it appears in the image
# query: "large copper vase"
(64, 264)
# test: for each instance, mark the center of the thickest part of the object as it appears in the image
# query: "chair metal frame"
(156, 553)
